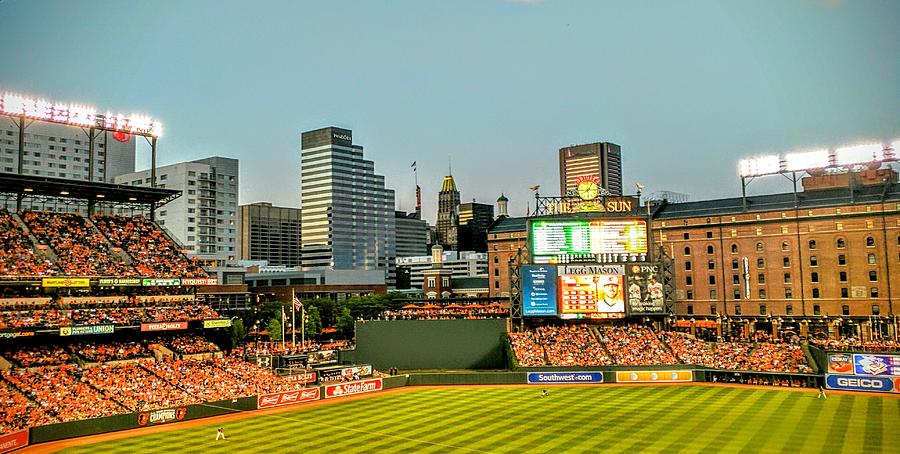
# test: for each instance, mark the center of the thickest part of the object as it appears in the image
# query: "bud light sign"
(538, 378)
(856, 383)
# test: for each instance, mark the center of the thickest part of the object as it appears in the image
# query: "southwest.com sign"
(564, 377)
(862, 383)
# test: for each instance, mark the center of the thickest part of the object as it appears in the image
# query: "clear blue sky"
(686, 88)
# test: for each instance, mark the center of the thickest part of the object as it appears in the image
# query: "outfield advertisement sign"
(306, 377)
(86, 330)
(164, 326)
(862, 383)
(120, 282)
(199, 281)
(345, 373)
(288, 397)
(357, 387)
(654, 376)
(162, 416)
(540, 378)
(14, 440)
(161, 282)
(220, 323)
(865, 364)
(65, 282)
(539, 290)
(16, 334)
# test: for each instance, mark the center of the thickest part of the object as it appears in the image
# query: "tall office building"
(269, 233)
(412, 234)
(60, 151)
(448, 214)
(347, 214)
(474, 220)
(600, 159)
(205, 218)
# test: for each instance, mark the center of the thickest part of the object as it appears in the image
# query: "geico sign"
(861, 383)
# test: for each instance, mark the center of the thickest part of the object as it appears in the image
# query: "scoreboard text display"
(552, 239)
(591, 296)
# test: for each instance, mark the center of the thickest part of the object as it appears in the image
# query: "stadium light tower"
(23, 111)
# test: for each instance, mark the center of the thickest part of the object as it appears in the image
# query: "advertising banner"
(161, 416)
(16, 334)
(359, 387)
(164, 326)
(839, 363)
(121, 282)
(294, 361)
(221, 323)
(537, 378)
(264, 361)
(199, 281)
(345, 373)
(306, 377)
(645, 290)
(86, 330)
(160, 282)
(323, 357)
(654, 376)
(287, 398)
(539, 290)
(854, 383)
(591, 292)
(866, 364)
(65, 282)
(13, 440)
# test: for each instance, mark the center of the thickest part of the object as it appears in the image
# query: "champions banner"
(359, 387)
(287, 398)
(654, 376)
(162, 416)
(14, 440)
(539, 378)
(164, 326)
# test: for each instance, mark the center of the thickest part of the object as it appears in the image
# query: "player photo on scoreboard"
(593, 295)
(645, 290)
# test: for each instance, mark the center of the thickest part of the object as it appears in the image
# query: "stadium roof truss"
(25, 187)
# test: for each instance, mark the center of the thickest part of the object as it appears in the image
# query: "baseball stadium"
(112, 339)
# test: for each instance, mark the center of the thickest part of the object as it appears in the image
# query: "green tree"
(274, 329)
(313, 321)
(238, 332)
(345, 323)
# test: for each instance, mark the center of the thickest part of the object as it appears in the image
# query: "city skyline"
(498, 87)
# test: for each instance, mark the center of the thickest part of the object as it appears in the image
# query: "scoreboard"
(572, 241)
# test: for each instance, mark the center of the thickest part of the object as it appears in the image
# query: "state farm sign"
(287, 398)
(358, 387)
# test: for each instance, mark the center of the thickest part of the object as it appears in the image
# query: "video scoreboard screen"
(567, 241)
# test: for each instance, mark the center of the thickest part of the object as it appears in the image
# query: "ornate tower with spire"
(448, 213)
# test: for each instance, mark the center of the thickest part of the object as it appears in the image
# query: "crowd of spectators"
(190, 344)
(634, 345)
(110, 350)
(856, 344)
(135, 387)
(261, 381)
(17, 412)
(572, 345)
(62, 394)
(154, 254)
(126, 316)
(528, 349)
(775, 357)
(38, 355)
(80, 249)
(17, 255)
(202, 379)
(450, 312)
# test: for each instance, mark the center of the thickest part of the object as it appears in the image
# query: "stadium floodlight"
(763, 165)
(858, 154)
(815, 159)
(77, 115)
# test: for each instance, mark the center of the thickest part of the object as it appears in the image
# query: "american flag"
(297, 304)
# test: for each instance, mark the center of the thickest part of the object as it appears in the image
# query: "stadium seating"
(17, 255)
(635, 346)
(154, 254)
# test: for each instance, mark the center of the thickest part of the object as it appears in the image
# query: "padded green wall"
(431, 344)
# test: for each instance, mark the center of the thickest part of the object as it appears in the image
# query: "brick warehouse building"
(826, 262)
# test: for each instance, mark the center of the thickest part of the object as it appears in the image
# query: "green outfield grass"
(572, 419)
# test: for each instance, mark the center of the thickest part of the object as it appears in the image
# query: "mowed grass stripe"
(606, 401)
(645, 417)
(666, 427)
(517, 419)
(716, 404)
(441, 408)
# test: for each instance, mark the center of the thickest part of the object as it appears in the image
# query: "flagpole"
(303, 325)
(293, 322)
(283, 322)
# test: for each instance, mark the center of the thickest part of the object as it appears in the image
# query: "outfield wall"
(431, 344)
